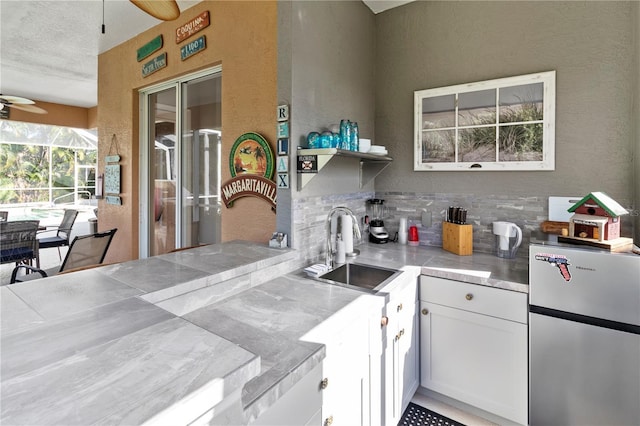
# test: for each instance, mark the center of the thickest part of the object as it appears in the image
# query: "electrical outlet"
(426, 219)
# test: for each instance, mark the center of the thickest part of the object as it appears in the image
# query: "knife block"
(457, 239)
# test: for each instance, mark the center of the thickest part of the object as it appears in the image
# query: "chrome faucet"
(356, 230)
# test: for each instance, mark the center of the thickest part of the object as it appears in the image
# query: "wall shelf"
(371, 165)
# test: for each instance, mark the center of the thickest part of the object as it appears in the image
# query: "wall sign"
(193, 26)
(251, 164)
(112, 178)
(307, 164)
(153, 46)
(283, 113)
(193, 47)
(154, 65)
(283, 180)
(112, 174)
(283, 129)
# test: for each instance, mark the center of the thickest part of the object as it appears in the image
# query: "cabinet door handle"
(425, 311)
(384, 321)
(328, 421)
(399, 307)
(469, 296)
(402, 332)
(324, 383)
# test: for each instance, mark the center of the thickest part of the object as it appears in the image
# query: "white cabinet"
(401, 361)
(473, 343)
(345, 384)
(301, 405)
(345, 394)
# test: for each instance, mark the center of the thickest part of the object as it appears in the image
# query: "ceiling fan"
(165, 10)
(22, 104)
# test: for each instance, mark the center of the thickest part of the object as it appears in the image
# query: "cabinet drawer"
(499, 303)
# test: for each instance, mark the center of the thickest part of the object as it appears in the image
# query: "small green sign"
(154, 65)
(149, 48)
(111, 158)
(193, 47)
(113, 199)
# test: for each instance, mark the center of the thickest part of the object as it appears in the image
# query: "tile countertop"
(479, 268)
(95, 346)
(89, 347)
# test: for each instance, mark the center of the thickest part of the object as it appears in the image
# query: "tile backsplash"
(527, 212)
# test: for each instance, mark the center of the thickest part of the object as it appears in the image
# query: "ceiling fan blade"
(28, 108)
(17, 100)
(166, 10)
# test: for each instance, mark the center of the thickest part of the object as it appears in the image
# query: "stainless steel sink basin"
(361, 276)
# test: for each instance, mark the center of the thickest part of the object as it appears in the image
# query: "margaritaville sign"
(251, 164)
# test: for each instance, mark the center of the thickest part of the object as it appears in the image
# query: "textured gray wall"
(636, 118)
(326, 73)
(591, 46)
(332, 76)
(340, 57)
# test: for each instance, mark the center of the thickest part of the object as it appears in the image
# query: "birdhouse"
(597, 217)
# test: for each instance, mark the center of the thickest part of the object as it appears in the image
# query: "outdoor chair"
(3, 216)
(18, 241)
(63, 231)
(84, 251)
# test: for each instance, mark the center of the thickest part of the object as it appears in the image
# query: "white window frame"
(548, 143)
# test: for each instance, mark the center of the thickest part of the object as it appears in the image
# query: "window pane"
(521, 103)
(476, 108)
(477, 144)
(521, 142)
(438, 112)
(438, 146)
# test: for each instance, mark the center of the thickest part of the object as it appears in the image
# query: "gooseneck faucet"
(356, 231)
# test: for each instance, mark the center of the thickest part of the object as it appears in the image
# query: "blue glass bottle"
(353, 146)
(345, 134)
(313, 140)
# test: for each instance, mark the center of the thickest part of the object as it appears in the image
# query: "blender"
(377, 210)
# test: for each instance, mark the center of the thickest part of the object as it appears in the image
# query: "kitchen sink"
(359, 275)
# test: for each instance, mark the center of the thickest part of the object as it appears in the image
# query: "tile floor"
(449, 411)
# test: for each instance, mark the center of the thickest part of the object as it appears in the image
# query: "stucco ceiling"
(49, 49)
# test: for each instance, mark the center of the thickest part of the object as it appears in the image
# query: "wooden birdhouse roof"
(603, 200)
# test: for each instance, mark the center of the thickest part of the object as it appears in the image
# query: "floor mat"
(416, 415)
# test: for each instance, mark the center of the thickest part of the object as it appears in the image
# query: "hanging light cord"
(103, 27)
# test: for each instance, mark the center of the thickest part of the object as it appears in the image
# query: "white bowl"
(377, 148)
(364, 145)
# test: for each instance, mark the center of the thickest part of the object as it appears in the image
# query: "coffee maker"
(377, 211)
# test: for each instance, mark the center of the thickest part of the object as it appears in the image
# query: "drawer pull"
(469, 296)
(384, 321)
(399, 307)
(402, 332)
(328, 421)
(324, 383)
(425, 311)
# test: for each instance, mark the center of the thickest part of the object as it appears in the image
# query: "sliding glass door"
(180, 178)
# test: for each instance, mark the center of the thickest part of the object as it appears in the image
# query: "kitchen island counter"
(95, 347)
(89, 347)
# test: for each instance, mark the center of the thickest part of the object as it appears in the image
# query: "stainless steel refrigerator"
(584, 337)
